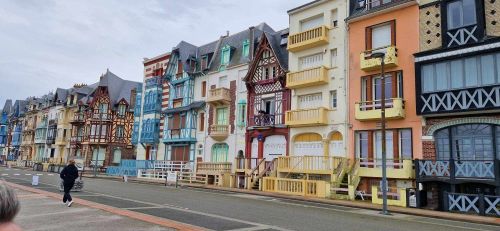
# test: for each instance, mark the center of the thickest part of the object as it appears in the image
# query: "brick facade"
(232, 105)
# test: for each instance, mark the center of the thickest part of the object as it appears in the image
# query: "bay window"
(369, 146)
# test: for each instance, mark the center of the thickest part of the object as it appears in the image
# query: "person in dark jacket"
(69, 174)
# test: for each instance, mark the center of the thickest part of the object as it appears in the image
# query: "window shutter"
(203, 88)
(368, 38)
(202, 121)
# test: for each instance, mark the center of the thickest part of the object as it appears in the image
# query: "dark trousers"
(67, 189)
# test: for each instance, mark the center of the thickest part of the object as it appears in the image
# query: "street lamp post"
(381, 55)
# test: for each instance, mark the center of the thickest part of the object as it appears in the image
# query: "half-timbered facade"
(108, 122)
(457, 85)
(268, 98)
(180, 115)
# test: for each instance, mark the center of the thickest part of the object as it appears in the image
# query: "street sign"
(172, 177)
(34, 180)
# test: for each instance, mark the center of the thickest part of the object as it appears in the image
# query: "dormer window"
(246, 48)
(225, 55)
(204, 62)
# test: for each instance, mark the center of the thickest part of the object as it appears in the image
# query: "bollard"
(125, 178)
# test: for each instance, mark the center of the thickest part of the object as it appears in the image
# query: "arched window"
(467, 142)
(220, 152)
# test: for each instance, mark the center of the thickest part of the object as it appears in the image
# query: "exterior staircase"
(345, 187)
(263, 169)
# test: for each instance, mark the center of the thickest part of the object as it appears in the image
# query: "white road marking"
(28, 174)
(5, 174)
(39, 174)
(50, 174)
(17, 174)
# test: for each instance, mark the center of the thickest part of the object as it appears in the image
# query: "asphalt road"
(218, 210)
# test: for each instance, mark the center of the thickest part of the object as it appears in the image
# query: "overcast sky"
(46, 44)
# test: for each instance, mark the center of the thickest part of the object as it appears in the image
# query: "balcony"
(307, 78)
(213, 168)
(40, 140)
(101, 116)
(308, 39)
(307, 117)
(457, 170)
(370, 64)
(309, 164)
(219, 96)
(219, 132)
(78, 118)
(76, 140)
(179, 135)
(149, 137)
(370, 110)
(152, 108)
(396, 169)
(50, 140)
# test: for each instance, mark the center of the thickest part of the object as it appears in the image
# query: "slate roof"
(61, 95)
(357, 11)
(118, 88)
(19, 108)
(7, 107)
(279, 48)
(213, 49)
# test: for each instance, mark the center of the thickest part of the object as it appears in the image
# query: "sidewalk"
(41, 210)
(347, 203)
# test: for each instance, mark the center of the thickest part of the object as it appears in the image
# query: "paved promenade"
(212, 209)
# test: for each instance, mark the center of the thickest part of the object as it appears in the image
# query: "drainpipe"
(251, 43)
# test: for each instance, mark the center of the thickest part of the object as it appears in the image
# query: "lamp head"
(377, 55)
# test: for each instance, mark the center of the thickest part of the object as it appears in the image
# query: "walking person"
(69, 174)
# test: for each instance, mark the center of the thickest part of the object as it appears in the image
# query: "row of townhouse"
(285, 110)
(298, 111)
(92, 123)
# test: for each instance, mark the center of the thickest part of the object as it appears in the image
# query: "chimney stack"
(251, 43)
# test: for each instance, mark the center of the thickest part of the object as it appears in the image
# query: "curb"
(122, 212)
(352, 204)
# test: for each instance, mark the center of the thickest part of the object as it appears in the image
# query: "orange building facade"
(390, 28)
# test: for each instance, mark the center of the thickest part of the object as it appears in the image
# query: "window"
(311, 23)
(333, 53)
(405, 144)
(242, 111)
(220, 152)
(333, 95)
(310, 61)
(380, 36)
(268, 106)
(204, 62)
(225, 55)
(222, 116)
(179, 91)
(117, 156)
(468, 142)
(481, 70)
(223, 82)
(119, 131)
(335, 20)
(373, 84)
(204, 89)
(121, 110)
(461, 13)
(362, 144)
(246, 48)
(310, 101)
(103, 108)
(202, 122)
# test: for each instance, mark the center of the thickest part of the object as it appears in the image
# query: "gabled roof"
(118, 88)
(187, 51)
(61, 95)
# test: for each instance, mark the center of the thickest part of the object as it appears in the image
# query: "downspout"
(346, 92)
